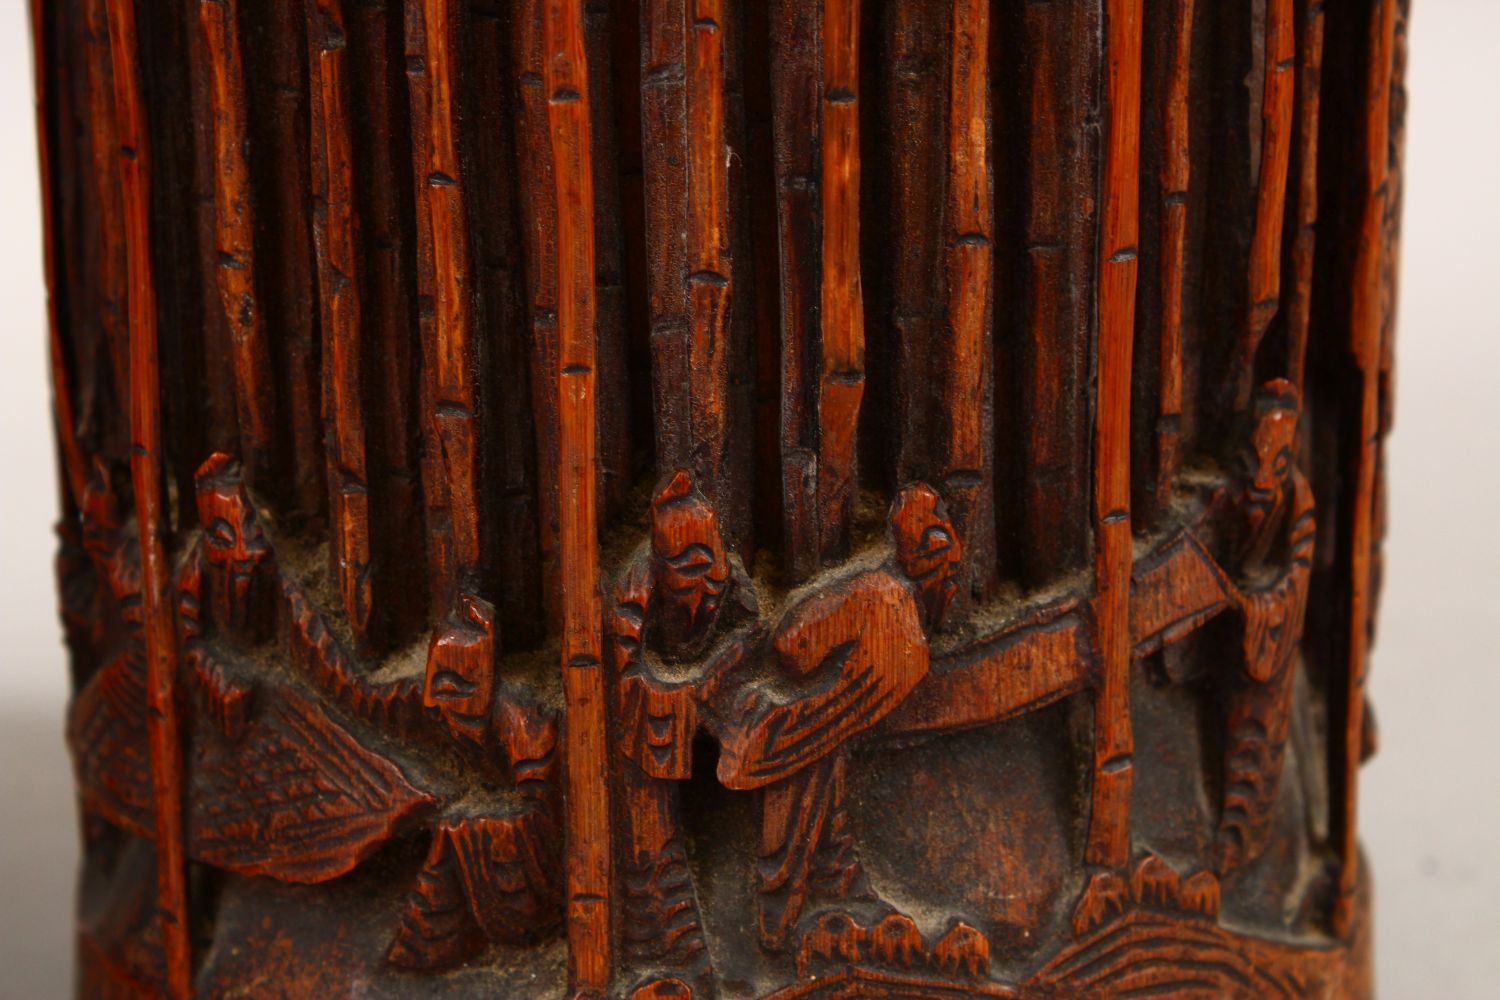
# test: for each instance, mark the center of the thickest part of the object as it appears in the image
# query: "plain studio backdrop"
(1430, 814)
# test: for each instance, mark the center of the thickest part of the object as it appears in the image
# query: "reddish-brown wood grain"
(565, 77)
(697, 498)
(1109, 836)
(163, 728)
(1366, 327)
(234, 218)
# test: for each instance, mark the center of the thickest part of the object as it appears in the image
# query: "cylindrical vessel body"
(721, 498)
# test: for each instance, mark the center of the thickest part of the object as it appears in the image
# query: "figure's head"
(1270, 455)
(460, 680)
(692, 565)
(233, 541)
(1267, 462)
(100, 508)
(927, 548)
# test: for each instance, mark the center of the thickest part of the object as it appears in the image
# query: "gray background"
(1430, 813)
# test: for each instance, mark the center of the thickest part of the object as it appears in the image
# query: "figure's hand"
(861, 643)
(726, 660)
(1272, 625)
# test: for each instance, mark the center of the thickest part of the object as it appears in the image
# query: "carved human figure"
(1272, 547)
(844, 658)
(235, 550)
(683, 615)
(492, 871)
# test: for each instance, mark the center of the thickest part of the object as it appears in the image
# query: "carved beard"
(695, 584)
(237, 551)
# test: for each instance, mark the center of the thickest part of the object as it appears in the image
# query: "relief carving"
(672, 499)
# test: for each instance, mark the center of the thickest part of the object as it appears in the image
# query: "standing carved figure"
(1273, 550)
(682, 598)
(844, 658)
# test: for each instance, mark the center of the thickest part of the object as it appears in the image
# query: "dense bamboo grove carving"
(708, 498)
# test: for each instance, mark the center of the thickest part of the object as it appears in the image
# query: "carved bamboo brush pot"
(720, 498)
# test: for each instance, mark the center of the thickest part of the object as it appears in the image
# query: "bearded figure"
(1273, 548)
(683, 615)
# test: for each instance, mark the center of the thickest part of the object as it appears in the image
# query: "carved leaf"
(107, 733)
(297, 798)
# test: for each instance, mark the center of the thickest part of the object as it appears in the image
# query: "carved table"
(720, 498)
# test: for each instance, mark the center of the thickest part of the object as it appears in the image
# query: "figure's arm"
(1274, 614)
(859, 647)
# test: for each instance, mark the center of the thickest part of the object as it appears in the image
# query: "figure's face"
(1269, 461)
(233, 541)
(460, 676)
(692, 564)
(101, 513)
(927, 548)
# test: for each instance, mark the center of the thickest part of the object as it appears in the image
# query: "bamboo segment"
(842, 371)
(534, 156)
(104, 147)
(968, 458)
(146, 465)
(234, 222)
(280, 126)
(1264, 297)
(664, 140)
(338, 284)
(508, 509)
(219, 426)
(379, 125)
(73, 465)
(1109, 834)
(454, 415)
(709, 279)
(609, 276)
(587, 798)
(1309, 81)
(441, 576)
(1045, 495)
(1172, 188)
(796, 41)
(1366, 323)
(916, 98)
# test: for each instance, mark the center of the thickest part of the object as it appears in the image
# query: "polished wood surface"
(695, 498)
